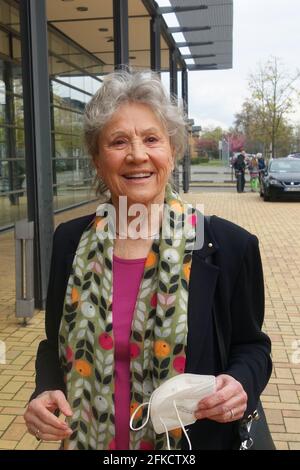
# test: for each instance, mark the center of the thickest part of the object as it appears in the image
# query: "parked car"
(280, 179)
(294, 155)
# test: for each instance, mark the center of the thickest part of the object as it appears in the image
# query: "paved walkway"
(276, 224)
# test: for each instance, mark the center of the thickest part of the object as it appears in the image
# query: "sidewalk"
(276, 224)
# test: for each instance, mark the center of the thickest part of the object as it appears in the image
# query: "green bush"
(199, 160)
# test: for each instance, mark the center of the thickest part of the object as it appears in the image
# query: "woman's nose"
(139, 152)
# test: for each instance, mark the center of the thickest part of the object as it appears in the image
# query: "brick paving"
(276, 224)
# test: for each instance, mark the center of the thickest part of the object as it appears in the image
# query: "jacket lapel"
(73, 243)
(69, 263)
(202, 288)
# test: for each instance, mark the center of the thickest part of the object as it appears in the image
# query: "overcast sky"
(262, 28)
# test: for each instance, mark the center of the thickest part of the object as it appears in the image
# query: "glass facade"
(81, 51)
(74, 76)
(13, 200)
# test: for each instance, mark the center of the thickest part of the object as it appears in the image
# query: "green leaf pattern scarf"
(158, 334)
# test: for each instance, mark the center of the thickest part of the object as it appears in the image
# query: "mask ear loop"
(135, 412)
(182, 425)
(167, 433)
(163, 423)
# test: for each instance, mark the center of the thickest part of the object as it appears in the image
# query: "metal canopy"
(207, 31)
(93, 30)
(206, 26)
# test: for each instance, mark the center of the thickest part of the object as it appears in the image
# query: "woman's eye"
(118, 143)
(152, 139)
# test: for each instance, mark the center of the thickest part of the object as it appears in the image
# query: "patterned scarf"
(158, 333)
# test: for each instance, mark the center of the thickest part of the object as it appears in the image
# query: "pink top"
(127, 276)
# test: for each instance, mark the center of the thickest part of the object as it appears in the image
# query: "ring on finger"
(37, 434)
(231, 414)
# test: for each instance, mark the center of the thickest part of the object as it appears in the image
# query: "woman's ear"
(96, 157)
(173, 164)
(173, 159)
(96, 162)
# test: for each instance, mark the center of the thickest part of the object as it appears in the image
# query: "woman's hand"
(228, 403)
(40, 420)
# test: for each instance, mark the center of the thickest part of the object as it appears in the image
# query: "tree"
(257, 138)
(273, 96)
(247, 123)
(207, 147)
(208, 143)
(236, 141)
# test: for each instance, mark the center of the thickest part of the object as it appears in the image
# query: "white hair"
(140, 87)
(133, 87)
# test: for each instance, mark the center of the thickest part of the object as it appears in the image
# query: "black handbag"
(259, 434)
(253, 432)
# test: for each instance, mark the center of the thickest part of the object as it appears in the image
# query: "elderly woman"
(127, 312)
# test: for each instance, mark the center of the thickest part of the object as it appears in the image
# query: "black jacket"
(240, 163)
(232, 283)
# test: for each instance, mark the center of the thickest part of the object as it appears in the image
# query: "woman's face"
(135, 157)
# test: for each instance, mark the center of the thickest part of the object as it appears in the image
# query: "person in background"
(261, 161)
(127, 313)
(261, 165)
(239, 166)
(254, 174)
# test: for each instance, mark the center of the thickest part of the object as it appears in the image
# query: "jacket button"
(210, 245)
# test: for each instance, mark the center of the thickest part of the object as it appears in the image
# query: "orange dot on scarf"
(100, 223)
(176, 433)
(74, 295)
(187, 270)
(97, 220)
(83, 368)
(176, 206)
(161, 348)
(139, 413)
(151, 260)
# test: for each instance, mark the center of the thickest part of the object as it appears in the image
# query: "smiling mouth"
(138, 176)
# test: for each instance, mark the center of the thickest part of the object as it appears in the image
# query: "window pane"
(16, 49)
(19, 112)
(2, 107)
(4, 43)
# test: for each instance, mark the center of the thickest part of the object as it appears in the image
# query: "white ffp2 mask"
(174, 403)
